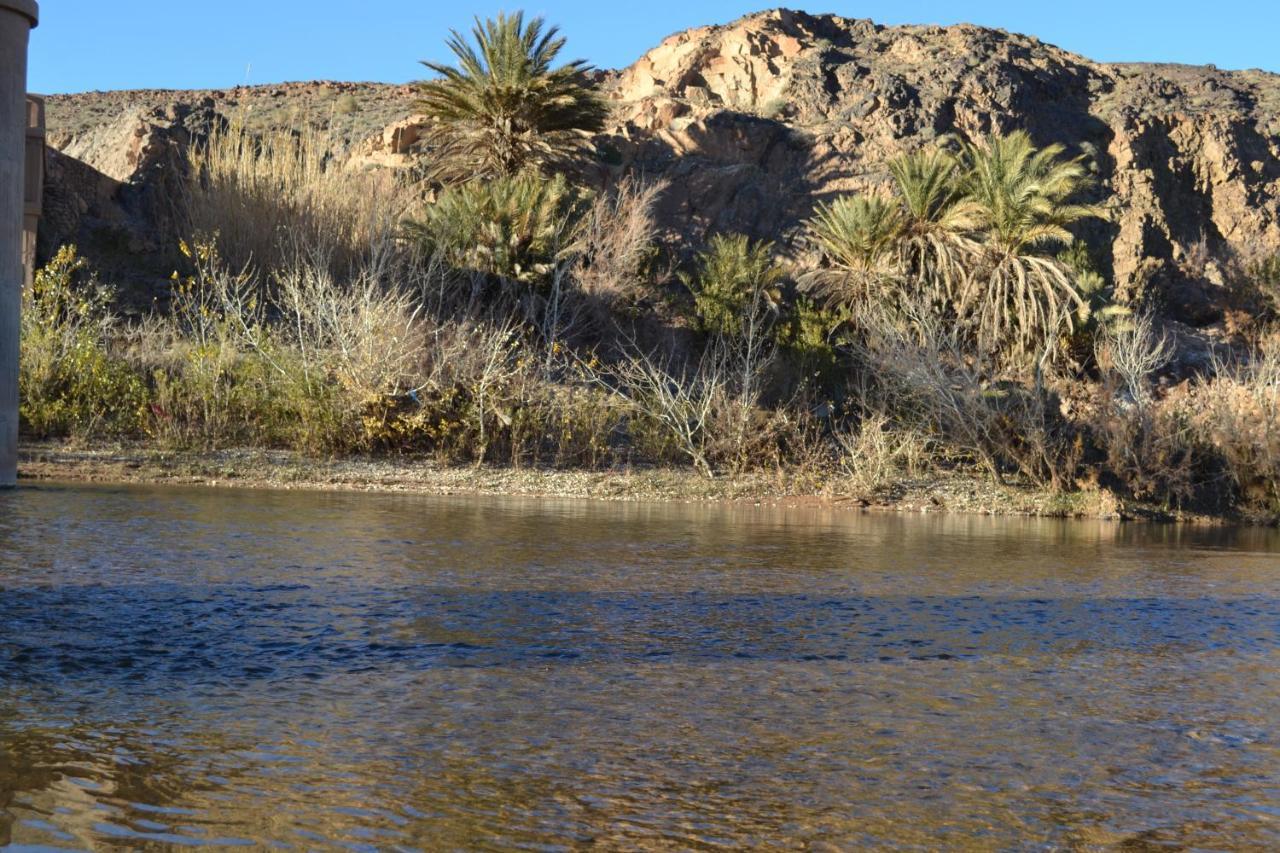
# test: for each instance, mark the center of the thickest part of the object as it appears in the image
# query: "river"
(265, 668)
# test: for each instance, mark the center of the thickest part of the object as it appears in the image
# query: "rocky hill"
(757, 120)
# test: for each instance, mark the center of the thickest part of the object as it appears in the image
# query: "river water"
(236, 667)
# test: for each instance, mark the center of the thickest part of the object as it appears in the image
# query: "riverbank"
(274, 469)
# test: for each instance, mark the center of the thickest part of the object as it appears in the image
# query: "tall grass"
(269, 198)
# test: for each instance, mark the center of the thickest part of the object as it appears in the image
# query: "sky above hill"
(83, 45)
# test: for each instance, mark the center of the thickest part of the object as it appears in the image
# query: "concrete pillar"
(17, 17)
(33, 199)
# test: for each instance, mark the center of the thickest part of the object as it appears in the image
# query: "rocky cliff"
(757, 120)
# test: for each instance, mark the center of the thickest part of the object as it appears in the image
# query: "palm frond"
(503, 108)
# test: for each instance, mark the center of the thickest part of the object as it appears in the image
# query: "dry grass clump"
(880, 452)
(1239, 415)
(269, 197)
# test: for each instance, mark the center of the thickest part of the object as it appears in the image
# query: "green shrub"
(513, 229)
(809, 335)
(735, 281)
(1263, 282)
(70, 381)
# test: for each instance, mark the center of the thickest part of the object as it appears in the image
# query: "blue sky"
(83, 45)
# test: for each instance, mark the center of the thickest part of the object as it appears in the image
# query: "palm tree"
(1020, 199)
(935, 244)
(512, 229)
(859, 237)
(504, 109)
(919, 238)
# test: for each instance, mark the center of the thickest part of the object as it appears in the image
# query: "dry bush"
(390, 358)
(1152, 450)
(291, 364)
(1221, 440)
(709, 410)
(1238, 413)
(467, 380)
(617, 241)
(683, 403)
(927, 374)
(485, 393)
(1132, 353)
(264, 196)
(367, 333)
(880, 452)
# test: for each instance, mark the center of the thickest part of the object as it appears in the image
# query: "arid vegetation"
(498, 307)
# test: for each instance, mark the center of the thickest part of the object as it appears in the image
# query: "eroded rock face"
(115, 193)
(393, 148)
(756, 121)
(759, 119)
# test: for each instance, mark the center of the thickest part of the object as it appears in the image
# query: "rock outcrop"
(756, 121)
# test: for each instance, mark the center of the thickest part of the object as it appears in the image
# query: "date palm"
(935, 242)
(510, 229)
(919, 238)
(859, 237)
(504, 108)
(1020, 198)
(735, 284)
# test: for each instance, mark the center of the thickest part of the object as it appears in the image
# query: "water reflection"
(228, 667)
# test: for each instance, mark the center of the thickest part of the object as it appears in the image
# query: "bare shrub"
(367, 333)
(682, 402)
(617, 239)
(929, 376)
(1239, 414)
(1133, 352)
(290, 364)
(709, 410)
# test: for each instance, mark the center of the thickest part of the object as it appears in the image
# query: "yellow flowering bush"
(70, 382)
